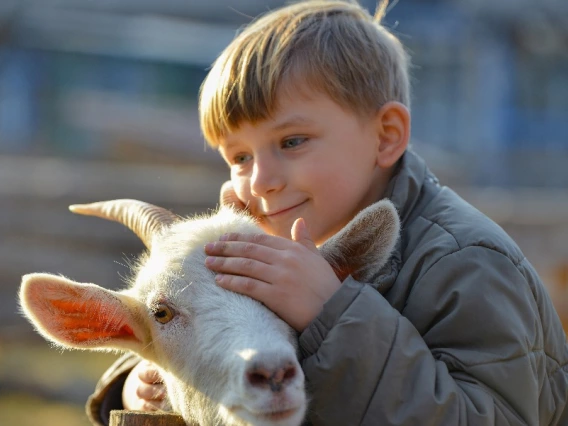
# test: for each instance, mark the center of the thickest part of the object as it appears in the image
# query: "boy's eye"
(241, 158)
(293, 142)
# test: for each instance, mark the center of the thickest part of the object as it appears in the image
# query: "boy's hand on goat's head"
(290, 277)
(143, 389)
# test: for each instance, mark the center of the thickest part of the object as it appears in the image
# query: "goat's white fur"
(215, 335)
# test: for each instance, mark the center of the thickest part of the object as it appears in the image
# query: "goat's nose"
(275, 379)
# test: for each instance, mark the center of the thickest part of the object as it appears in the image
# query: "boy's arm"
(131, 384)
(108, 392)
(468, 349)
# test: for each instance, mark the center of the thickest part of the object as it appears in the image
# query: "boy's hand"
(144, 389)
(290, 277)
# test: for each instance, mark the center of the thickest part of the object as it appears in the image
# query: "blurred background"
(98, 101)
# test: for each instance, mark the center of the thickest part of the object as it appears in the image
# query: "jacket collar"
(406, 191)
(406, 186)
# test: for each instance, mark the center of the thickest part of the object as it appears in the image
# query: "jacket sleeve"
(467, 349)
(108, 392)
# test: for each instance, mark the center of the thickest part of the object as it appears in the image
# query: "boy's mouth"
(281, 212)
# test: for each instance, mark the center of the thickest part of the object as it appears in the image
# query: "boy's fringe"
(364, 64)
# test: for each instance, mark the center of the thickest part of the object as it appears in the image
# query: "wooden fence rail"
(140, 418)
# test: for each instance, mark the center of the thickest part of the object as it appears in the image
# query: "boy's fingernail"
(209, 246)
(219, 278)
(224, 237)
(209, 260)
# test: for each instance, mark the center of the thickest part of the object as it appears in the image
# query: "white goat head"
(225, 358)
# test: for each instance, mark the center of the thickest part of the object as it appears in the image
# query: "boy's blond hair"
(333, 47)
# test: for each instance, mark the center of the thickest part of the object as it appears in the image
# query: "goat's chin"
(240, 416)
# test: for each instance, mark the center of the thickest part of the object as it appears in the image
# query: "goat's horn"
(144, 219)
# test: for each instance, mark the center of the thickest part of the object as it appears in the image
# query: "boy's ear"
(393, 127)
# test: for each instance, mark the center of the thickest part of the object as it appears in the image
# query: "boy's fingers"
(241, 249)
(301, 235)
(153, 405)
(256, 289)
(271, 241)
(239, 266)
(151, 392)
(150, 406)
(149, 374)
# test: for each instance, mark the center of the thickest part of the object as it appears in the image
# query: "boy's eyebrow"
(294, 120)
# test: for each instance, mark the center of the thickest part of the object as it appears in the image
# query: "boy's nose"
(267, 177)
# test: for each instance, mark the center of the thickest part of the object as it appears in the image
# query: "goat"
(225, 358)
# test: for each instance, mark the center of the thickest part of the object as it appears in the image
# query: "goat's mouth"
(284, 417)
(275, 416)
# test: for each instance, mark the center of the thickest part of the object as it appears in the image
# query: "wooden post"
(142, 418)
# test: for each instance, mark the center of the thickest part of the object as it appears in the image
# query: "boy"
(309, 108)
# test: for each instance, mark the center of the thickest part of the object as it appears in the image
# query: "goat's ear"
(80, 316)
(365, 244)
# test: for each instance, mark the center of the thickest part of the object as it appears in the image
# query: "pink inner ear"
(79, 315)
(85, 321)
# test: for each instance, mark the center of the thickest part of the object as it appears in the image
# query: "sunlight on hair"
(364, 64)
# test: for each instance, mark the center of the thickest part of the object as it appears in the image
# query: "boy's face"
(311, 159)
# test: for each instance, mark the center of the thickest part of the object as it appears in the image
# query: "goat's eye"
(163, 314)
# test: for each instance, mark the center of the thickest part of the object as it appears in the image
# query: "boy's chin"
(284, 230)
(278, 232)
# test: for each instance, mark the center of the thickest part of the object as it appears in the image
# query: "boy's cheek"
(243, 194)
(233, 193)
(229, 197)
(240, 187)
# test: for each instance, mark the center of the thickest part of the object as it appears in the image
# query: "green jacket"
(457, 329)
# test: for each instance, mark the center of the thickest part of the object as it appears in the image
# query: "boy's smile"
(276, 214)
(310, 159)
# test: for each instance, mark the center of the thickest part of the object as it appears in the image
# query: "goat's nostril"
(289, 373)
(275, 379)
(258, 377)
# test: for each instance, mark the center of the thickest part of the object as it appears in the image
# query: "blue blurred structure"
(491, 83)
(118, 79)
(98, 100)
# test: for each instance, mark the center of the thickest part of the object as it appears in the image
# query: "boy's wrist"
(315, 333)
